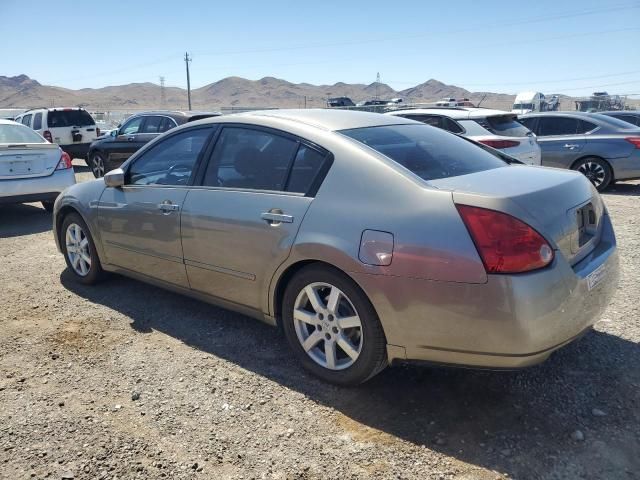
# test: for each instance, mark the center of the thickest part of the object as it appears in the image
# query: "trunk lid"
(28, 160)
(561, 205)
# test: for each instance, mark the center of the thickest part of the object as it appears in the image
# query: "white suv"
(494, 128)
(73, 129)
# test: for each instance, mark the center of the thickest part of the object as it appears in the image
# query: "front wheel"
(596, 170)
(79, 250)
(97, 164)
(332, 327)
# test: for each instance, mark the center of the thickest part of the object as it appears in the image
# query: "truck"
(600, 102)
(526, 102)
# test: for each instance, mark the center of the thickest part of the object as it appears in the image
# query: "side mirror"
(114, 178)
(114, 132)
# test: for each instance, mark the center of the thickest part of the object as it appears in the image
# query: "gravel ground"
(125, 380)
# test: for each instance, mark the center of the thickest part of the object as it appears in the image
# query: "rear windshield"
(428, 152)
(614, 122)
(13, 134)
(504, 125)
(69, 118)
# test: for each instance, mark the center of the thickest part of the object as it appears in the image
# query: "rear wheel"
(596, 170)
(332, 327)
(79, 250)
(97, 164)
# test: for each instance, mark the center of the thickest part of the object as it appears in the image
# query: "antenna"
(163, 93)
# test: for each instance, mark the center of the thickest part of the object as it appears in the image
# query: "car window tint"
(26, 120)
(254, 159)
(306, 167)
(528, 122)
(451, 125)
(170, 161)
(584, 126)
(152, 124)
(132, 126)
(633, 120)
(69, 118)
(430, 153)
(167, 124)
(557, 126)
(37, 121)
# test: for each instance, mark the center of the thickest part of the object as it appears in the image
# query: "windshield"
(428, 152)
(69, 118)
(18, 134)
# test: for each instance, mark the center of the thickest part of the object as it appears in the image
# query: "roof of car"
(325, 118)
(453, 112)
(177, 113)
(569, 113)
(621, 112)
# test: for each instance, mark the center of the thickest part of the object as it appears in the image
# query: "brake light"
(47, 136)
(500, 144)
(634, 140)
(65, 162)
(505, 244)
(97, 131)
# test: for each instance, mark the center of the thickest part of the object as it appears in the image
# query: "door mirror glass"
(114, 133)
(114, 178)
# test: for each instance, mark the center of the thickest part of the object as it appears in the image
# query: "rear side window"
(431, 120)
(152, 124)
(504, 125)
(429, 153)
(253, 159)
(584, 126)
(451, 126)
(37, 121)
(69, 118)
(305, 169)
(557, 126)
(167, 124)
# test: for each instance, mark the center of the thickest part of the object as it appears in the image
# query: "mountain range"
(24, 92)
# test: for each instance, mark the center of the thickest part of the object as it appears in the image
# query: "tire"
(84, 272)
(335, 329)
(97, 163)
(596, 170)
(48, 206)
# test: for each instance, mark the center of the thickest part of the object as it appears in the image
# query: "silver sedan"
(370, 239)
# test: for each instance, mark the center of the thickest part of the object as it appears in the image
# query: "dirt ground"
(124, 380)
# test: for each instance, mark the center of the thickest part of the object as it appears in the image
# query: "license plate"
(19, 167)
(595, 277)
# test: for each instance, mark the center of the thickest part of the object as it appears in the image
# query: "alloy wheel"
(328, 326)
(97, 166)
(594, 172)
(77, 245)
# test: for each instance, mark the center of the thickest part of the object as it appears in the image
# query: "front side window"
(132, 126)
(170, 161)
(253, 159)
(548, 126)
(430, 153)
(26, 120)
(37, 121)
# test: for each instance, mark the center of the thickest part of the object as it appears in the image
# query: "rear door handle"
(275, 218)
(167, 207)
(571, 146)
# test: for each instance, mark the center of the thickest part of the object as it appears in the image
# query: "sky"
(573, 46)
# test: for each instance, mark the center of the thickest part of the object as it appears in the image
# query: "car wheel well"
(603, 160)
(62, 214)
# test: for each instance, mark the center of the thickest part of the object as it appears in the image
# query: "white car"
(494, 128)
(72, 128)
(31, 168)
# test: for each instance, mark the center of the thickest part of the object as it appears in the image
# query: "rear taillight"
(634, 140)
(505, 244)
(47, 136)
(500, 143)
(97, 132)
(65, 162)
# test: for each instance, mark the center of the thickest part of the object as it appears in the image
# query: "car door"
(152, 127)
(239, 225)
(560, 140)
(140, 221)
(128, 140)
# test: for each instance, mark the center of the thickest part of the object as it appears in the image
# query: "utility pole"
(377, 85)
(163, 93)
(186, 61)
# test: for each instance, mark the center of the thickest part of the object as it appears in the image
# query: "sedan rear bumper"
(35, 189)
(509, 322)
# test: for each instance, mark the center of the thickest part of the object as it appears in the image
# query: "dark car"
(340, 102)
(629, 116)
(109, 152)
(603, 148)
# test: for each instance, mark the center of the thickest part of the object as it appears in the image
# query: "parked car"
(111, 151)
(369, 238)
(340, 102)
(72, 128)
(31, 168)
(629, 116)
(603, 148)
(495, 128)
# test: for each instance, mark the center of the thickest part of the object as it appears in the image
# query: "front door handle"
(276, 217)
(571, 146)
(131, 139)
(167, 207)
